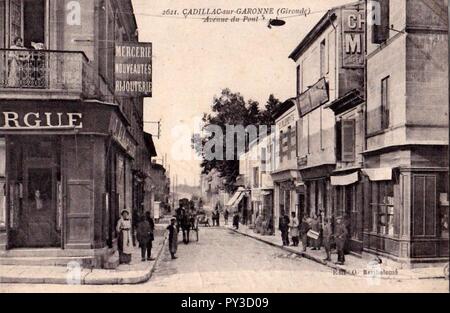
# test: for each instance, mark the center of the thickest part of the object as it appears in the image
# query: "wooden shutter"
(348, 140)
(380, 33)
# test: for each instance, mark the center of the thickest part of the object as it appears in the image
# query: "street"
(224, 261)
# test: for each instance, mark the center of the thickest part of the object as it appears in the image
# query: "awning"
(148, 139)
(344, 180)
(378, 174)
(236, 198)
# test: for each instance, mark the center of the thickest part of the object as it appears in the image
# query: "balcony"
(54, 75)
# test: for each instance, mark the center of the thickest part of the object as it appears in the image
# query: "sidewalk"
(353, 265)
(134, 273)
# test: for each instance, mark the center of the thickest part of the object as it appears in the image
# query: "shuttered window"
(380, 27)
(299, 80)
(348, 140)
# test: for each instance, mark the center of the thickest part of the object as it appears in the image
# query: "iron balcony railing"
(67, 73)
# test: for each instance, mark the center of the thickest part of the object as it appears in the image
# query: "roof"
(148, 139)
(283, 107)
(318, 29)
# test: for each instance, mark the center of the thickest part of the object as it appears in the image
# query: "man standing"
(236, 220)
(173, 238)
(304, 228)
(225, 216)
(293, 228)
(315, 226)
(185, 227)
(327, 238)
(179, 213)
(340, 237)
(284, 228)
(152, 235)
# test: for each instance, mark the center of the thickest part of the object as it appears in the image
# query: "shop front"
(67, 173)
(407, 214)
(318, 200)
(347, 197)
(286, 195)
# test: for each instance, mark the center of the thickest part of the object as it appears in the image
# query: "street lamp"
(275, 22)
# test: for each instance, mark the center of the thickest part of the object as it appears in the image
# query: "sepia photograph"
(234, 147)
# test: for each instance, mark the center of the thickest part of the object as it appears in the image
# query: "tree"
(231, 109)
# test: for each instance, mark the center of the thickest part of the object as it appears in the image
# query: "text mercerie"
(133, 52)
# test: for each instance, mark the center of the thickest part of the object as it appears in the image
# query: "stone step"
(85, 262)
(46, 252)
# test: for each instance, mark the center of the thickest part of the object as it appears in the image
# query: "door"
(40, 206)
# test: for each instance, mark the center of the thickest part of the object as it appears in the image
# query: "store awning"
(236, 198)
(344, 180)
(378, 174)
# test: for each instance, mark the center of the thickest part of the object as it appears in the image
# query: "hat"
(123, 211)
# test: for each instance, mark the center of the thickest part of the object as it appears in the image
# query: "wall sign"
(353, 38)
(313, 97)
(120, 134)
(10, 120)
(133, 69)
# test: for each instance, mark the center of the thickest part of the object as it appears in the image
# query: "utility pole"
(159, 127)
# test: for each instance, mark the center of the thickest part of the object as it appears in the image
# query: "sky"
(194, 60)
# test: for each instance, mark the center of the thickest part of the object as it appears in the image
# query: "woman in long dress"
(125, 242)
(17, 60)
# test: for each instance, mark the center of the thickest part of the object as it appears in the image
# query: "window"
(323, 59)
(309, 137)
(299, 80)
(348, 140)
(424, 205)
(382, 206)
(385, 103)
(381, 25)
(256, 177)
(263, 159)
(338, 144)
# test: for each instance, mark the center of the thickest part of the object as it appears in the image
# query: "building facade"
(73, 154)
(255, 168)
(288, 191)
(407, 132)
(330, 66)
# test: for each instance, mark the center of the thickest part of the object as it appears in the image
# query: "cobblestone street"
(224, 261)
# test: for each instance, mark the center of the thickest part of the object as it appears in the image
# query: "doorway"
(34, 22)
(36, 193)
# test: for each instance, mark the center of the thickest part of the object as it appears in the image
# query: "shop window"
(382, 206)
(424, 205)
